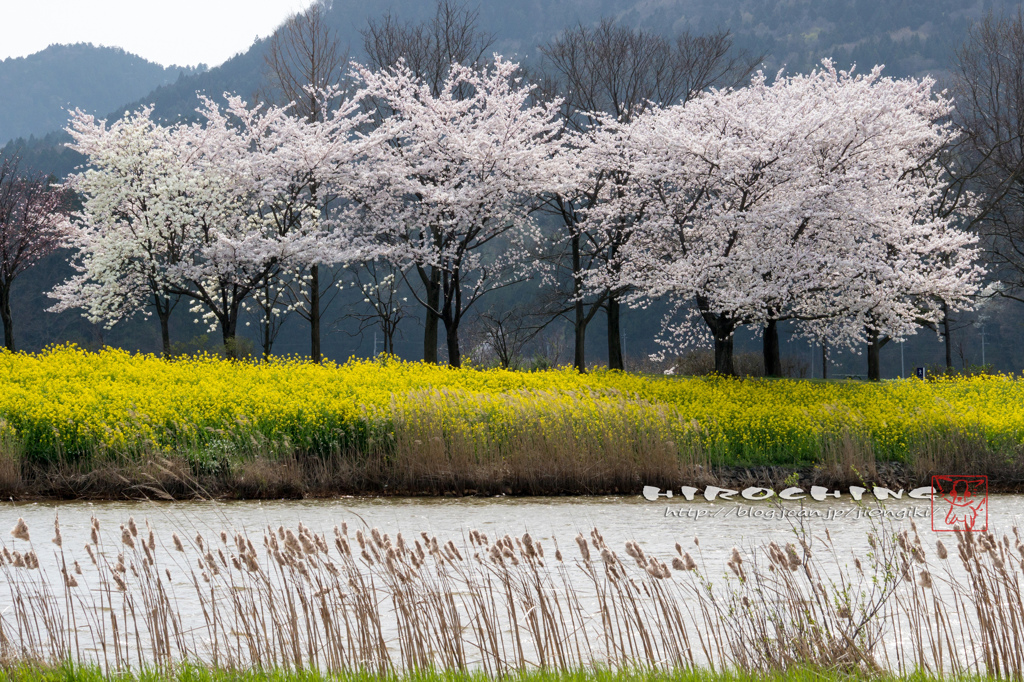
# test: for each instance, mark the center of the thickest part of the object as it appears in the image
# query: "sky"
(181, 32)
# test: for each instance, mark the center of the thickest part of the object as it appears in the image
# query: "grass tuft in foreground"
(194, 673)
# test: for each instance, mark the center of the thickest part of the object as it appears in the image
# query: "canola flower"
(68, 402)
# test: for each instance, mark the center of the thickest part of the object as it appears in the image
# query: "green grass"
(193, 673)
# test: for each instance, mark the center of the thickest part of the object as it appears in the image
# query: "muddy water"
(655, 526)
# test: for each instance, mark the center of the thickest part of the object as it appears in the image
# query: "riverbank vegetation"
(189, 673)
(79, 423)
(366, 603)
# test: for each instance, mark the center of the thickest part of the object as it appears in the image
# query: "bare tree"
(305, 57)
(550, 346)
(428, 48)
(989, 93)
(304, 60)
(616, 70)
(32, 217)
(507, 333)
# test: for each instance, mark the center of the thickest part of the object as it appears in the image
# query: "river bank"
(304, 477)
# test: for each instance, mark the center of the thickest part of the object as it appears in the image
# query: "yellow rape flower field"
(67, 403)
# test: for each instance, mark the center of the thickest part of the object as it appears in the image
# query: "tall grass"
(547, 454)
(367, 602)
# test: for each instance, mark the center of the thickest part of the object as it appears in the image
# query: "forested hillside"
(911, 37)
(38, 89)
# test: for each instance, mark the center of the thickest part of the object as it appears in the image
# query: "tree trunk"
(5, 316)
(875, 343)
(946, 336)
(772, 360)
(614, 336)
(228, 326)
(433, 286)
(579, 360)
(314, 314)
(722, 328)
(452, 337)
(824, 359)
(165, 329)
(723, 356)
(267, 331)
(266, 342)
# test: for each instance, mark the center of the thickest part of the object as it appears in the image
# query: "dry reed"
(547, 453)
(366, 601)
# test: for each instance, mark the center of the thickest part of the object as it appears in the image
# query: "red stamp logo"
(960, 502)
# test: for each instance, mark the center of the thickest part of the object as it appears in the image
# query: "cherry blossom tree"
(808, 199)
(380, 285)
(269, 308)
(452, 179)
(305, 63)
(304, 169)
(208, 211)
(135, 222)
(428, 48)
(33, 218)
(617, 72)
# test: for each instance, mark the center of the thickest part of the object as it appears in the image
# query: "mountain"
(38, 89)
(911, 37)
